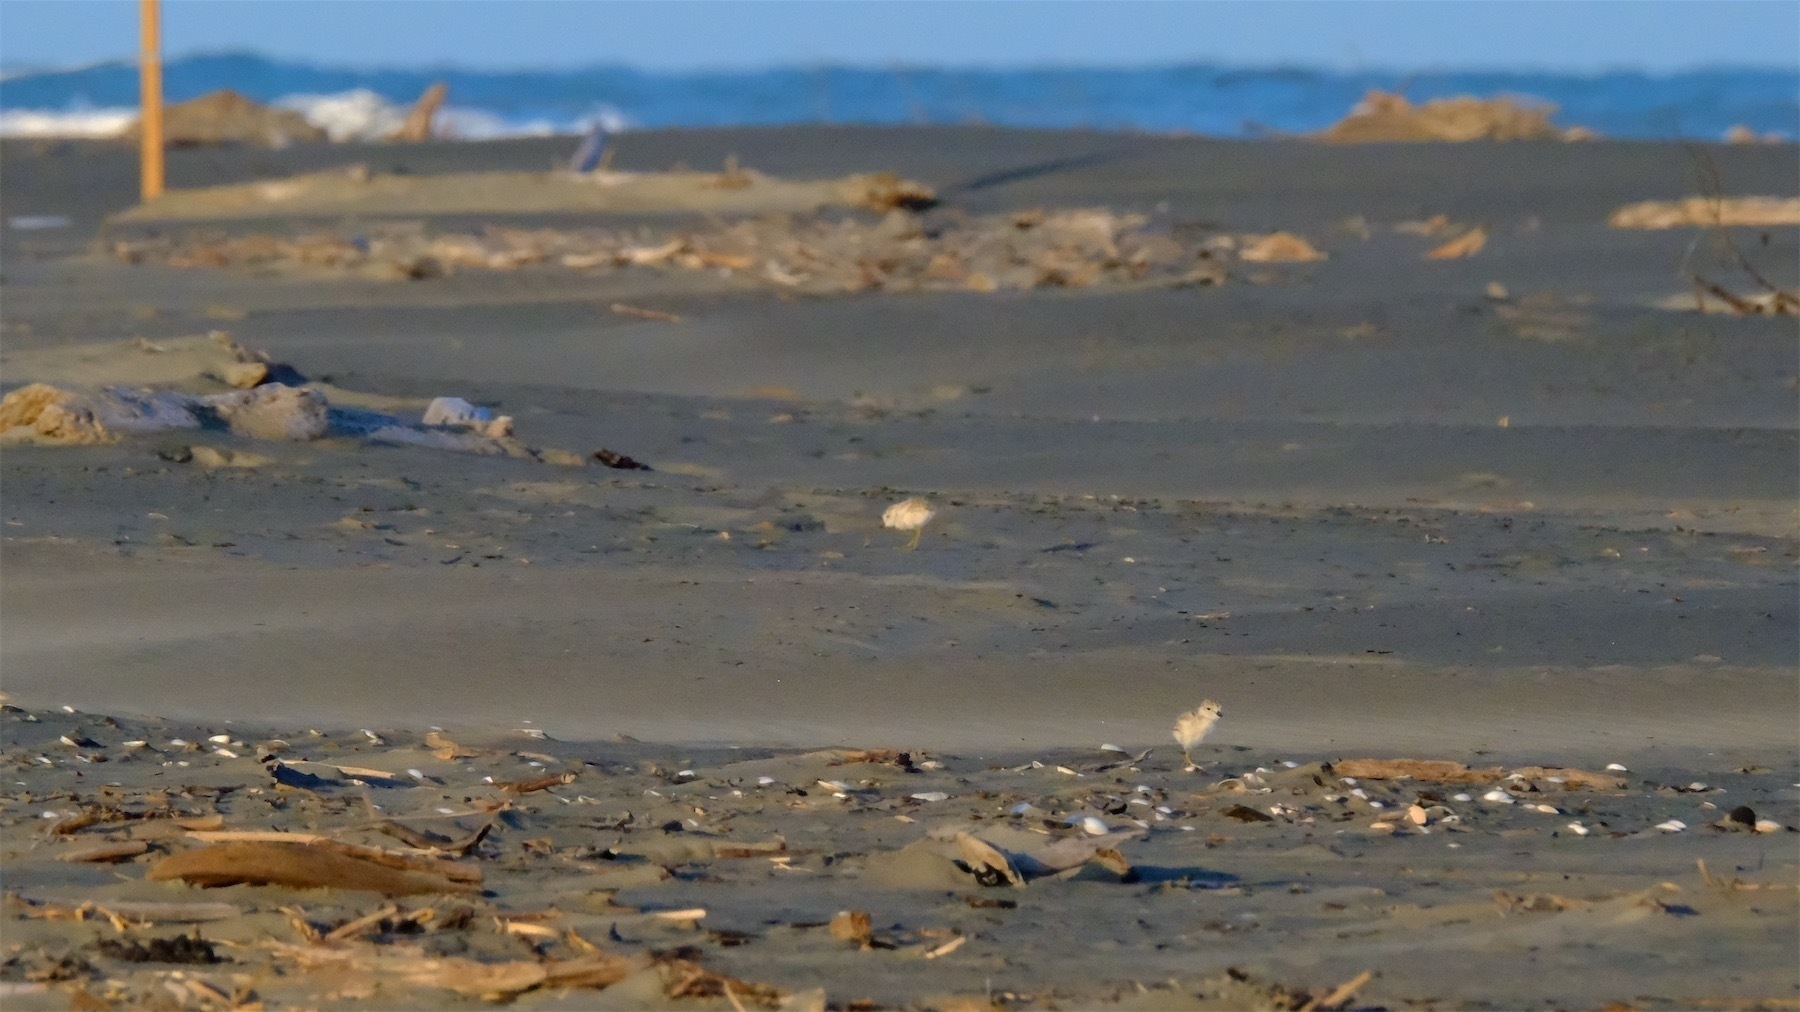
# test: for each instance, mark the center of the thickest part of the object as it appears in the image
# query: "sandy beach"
(1522, 510)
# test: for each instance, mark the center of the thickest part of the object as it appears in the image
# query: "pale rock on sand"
(909, 515)
(454, 412)
(1192, 728)
(273, 411)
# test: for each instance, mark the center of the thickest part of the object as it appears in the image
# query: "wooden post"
(150, 98)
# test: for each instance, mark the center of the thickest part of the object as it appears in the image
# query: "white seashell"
(372, 736)
(1498, 796)
(1578, 829)
(764, 781)
(178, 743)
(227, 753)
(1546, 809)
(1767, 826)
(138, 743)
(1023, 808)
(1672, 826)
(1089, 825)
(1359, 792)
(1382, 827)
(1462, 797)
(1696, 786)
(1377, 804)
(66, 740)
(1113, 748)
(415, 774)
(834, 785)
(1347, 780)
(1617, 767)
(1139, 801)
(1067, 771)
(930, 796)
(1416, 815)
(220, 739)
(68, 709)
(1165, 810)
(1290, 764)
(931, 764)
(686, 773)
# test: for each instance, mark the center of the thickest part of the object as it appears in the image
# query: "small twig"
(1343, 993)
(644, 314)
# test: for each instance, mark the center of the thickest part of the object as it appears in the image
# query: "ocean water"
(1192, 98)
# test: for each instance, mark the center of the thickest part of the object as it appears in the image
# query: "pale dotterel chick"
(909, 515)
(1191, 729)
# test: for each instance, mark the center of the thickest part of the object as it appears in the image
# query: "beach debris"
(956, 942)
(1191, 729)
(105, 852)
(1466, 245)
(1709, 212)
(1386, 117)
(591, 154)
(418, 125)
(640, 313)
(226, 117)
(1244, 813)
(1339, 996)
(908, 515)
(272, 411)
(852, 926)
(811, 254)
(42, 413)
(315, 864)
(619, 461)
(187, 949)
(989, 864)
(1278, 248)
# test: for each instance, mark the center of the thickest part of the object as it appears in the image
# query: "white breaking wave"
(68, 123)
(357, 115)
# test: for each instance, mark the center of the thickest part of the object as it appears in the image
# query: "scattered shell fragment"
(1672, 826)
(1500, 797)
(1578, 829)
(930, 796)
(1617, 767)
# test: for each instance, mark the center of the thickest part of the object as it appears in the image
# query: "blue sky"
(1567, 35)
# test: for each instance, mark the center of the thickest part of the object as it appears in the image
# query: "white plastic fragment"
(455, 411)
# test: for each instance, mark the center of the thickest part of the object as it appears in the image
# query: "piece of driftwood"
(418, 122)
(315, 865)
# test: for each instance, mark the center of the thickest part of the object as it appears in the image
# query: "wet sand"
(1291, 492)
